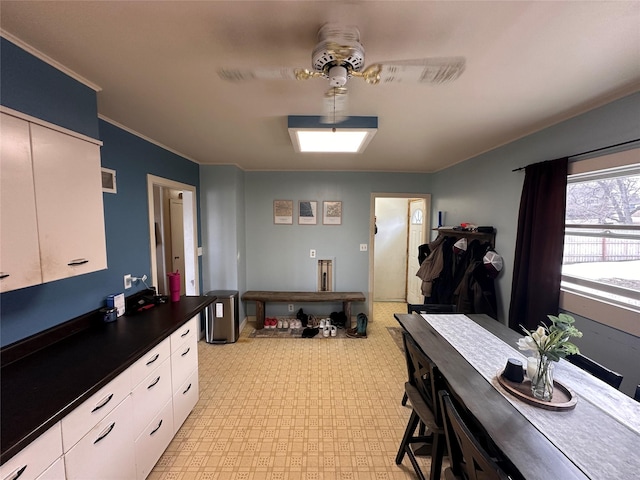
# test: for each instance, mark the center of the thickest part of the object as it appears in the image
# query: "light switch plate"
(127, 281)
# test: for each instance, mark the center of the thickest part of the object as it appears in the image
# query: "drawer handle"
(188, 388)
(185, 352)
(16, 474)
(155, 382)
(78, 261)
(4, 275)
(153, 359)
(156, 429)
(106, 432)
(185, 333)
(103, 402)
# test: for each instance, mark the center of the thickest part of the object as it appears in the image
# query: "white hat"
(493, 263)
(460, 246)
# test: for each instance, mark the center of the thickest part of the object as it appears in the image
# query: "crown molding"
(47, 59)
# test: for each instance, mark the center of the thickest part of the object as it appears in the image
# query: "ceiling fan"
(338, 56)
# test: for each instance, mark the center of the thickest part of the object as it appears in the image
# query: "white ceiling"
(529, 65)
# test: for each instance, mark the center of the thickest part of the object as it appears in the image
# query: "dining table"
(598, 437)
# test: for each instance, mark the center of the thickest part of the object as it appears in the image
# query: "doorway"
(402, 222)
(173, 234)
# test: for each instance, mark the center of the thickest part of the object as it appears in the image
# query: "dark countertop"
(40, 389)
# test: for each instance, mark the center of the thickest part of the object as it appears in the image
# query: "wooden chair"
(435, 308)
(421, 389)
(468, 459)
(603, 373)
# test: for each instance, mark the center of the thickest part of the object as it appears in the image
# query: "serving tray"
(563, 397)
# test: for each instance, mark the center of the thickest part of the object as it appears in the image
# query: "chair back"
(600, 371)
(468, 459)
(423, 375)
(434, 308)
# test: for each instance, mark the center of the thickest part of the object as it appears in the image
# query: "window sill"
(620, 318)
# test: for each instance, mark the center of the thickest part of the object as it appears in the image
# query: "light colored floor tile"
(296, 409)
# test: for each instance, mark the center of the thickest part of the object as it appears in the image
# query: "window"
(602, 236)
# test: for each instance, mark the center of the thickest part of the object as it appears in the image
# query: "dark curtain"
(535, 291)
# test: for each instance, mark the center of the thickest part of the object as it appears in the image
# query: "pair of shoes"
(295, 324)
(302, 317)
(283, 323)
(339, 319)
(310, 332)
(270, 322)
(360, 331)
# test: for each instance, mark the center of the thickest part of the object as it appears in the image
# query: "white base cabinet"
(34, 460)
(153, 441)
(105, 452)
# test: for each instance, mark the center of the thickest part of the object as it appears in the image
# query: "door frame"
(189, 205)
(372, 214)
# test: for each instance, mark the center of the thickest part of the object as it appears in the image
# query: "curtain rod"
(590, 151)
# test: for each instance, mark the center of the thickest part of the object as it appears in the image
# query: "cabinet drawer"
(105, 452)
(54, 472)
(149, 362)
(34, 459)
(82, 419)
(184, 361)
(185, 399)
(153, 441)
(150, 395)
(180, 336)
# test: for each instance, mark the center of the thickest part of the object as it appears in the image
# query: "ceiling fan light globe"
(338, 76)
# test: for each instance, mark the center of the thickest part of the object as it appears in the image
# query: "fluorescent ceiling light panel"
(309, 135)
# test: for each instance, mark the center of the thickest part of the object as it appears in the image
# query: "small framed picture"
(307, 212)
(332, 213)
(283, 212)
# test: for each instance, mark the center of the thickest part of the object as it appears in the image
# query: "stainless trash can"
(221, 317)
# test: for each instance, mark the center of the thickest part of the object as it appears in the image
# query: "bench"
(262, 297)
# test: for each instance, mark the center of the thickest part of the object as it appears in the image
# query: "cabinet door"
(106, 451)
(19, 251)
(54, 472)
(153, 441)
(68, 186)
(34, 459)
(150, 395)
(184, 400)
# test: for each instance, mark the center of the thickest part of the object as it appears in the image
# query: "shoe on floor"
(356, 334)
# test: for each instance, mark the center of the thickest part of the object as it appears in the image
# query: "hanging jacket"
(431, 267)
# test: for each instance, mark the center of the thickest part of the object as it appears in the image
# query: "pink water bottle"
(174, 286)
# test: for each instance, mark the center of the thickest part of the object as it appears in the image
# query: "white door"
(416, 238)
(177, 240)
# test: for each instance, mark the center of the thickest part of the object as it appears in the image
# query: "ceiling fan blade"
(266, 73)
(427, 70)
(335, 105)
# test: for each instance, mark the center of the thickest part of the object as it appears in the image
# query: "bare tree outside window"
(602, 235)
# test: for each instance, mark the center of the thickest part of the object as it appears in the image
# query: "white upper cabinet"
(67, 177)
(51, 213)
(19, 252)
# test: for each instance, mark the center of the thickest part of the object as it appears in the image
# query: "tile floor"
(296, 409)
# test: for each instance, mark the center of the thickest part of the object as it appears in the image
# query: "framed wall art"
(307, 212)
(283, 212)
(332, 213)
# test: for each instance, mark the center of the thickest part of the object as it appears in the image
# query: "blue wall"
(61, 100)
(34, 87)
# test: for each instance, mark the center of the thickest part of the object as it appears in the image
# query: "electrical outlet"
(127, 281)
(312, 253)
(291, 307)
(363, 247)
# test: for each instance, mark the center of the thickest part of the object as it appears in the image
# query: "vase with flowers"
(549, 343)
